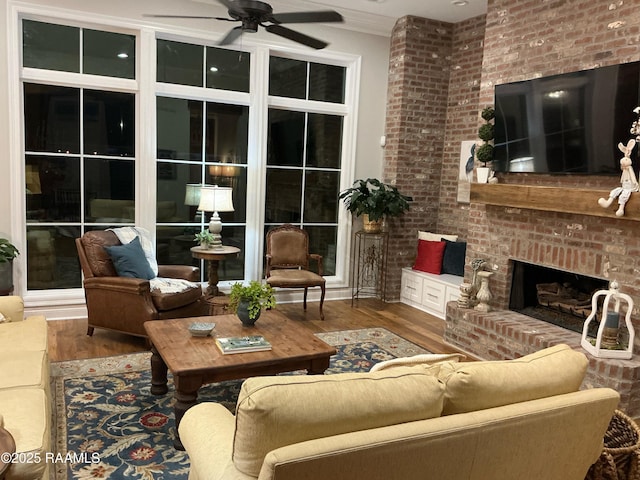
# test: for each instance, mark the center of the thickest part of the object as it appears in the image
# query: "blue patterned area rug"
(109, 425)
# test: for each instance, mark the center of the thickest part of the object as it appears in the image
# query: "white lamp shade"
(216, 199)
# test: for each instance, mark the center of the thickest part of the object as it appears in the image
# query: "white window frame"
(146, 88)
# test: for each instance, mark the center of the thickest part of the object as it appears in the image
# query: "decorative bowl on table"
(200, 329)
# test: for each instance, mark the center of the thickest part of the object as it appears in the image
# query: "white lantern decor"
(607, 343)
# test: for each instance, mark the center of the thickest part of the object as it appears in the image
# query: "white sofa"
(521, 419)
(25, 397)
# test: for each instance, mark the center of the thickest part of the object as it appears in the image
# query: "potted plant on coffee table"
(249, 300)
(8, 252)
(374, 200)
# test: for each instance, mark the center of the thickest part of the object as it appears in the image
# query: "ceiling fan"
(253, 13)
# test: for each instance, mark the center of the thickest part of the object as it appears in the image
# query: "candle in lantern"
(612, 320)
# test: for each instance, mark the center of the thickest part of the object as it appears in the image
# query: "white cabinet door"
(411, 287)
(453, 294)
(433, 294)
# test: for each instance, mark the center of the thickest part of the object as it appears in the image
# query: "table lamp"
(216, 199)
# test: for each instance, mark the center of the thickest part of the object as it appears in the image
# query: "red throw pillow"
(429, 257)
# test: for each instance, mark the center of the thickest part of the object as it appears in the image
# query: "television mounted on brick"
(566, 124)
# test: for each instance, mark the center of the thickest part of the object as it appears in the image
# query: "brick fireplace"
(594, 246)
(517, 40)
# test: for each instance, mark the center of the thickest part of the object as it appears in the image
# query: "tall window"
(79, 147)
(269, 125)
(200, 142)
(304, 156)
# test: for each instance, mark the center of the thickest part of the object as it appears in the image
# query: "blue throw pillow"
(453, 258)
(129, 260)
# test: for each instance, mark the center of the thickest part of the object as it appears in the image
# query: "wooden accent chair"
(124, 303)
(288, 261)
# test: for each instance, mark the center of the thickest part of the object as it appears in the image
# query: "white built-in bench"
(429, 292)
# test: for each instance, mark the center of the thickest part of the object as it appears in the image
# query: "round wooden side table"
(213, 256)
(7, 445)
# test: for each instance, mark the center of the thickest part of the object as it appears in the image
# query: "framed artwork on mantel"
(465, 175)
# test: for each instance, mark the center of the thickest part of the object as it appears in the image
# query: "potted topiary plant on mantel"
(374, 200)
(8, 252)
(484, 152)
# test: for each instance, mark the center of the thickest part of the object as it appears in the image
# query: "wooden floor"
(68, 339)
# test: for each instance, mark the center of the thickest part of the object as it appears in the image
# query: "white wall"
(372, 49)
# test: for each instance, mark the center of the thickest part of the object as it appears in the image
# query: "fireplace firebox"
(554, 296)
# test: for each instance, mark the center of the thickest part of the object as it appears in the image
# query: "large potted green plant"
(249, 300)
(374, 200)
(8, 252)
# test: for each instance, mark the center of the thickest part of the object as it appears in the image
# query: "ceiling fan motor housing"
(252, 13)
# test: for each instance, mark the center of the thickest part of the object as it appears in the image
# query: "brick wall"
(434, 81)
(516, 40)
(527, 39)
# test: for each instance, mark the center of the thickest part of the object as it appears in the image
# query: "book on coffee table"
(253, 343)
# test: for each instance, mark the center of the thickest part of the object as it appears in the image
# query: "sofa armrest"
(185, 272)
(129, 285)
(206, 431)
(12, 308)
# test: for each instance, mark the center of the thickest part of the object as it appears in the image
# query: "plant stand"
(369, 265)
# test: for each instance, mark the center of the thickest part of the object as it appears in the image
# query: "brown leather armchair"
(288, 261)
(124, 303)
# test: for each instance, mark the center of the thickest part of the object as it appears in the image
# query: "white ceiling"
(378, 16)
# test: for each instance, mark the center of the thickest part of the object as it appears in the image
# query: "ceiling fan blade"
(231, 37)
(296, 36)
(186, 16)
(323, 16)
(233, 6)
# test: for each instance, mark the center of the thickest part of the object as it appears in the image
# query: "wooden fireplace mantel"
(582, 201)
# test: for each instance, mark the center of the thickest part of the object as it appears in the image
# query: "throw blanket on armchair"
(164, 285)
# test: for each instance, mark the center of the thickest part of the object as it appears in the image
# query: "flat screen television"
(566, 124)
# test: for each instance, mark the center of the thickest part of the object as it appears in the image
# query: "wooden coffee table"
(197, 361)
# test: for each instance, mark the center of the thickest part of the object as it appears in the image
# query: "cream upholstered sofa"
(25, 398)
(520, 419)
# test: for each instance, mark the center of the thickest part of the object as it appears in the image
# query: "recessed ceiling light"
(123, 55)
(213, 69)
(377, 1)
(459, 3)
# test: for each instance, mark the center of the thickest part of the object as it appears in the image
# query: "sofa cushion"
(24, 369)
(164, 299)
(129, 260)
(435, 237)
(429, 257)
(276, 411)
(28, 335)
(422, 359)
(453, 258)
(12, 308)
(26, 416)
(479, 385)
